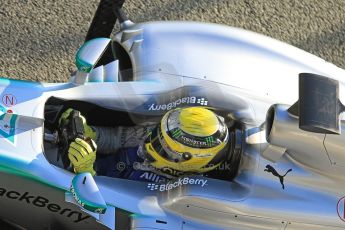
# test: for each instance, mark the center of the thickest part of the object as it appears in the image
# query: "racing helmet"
(192, 139)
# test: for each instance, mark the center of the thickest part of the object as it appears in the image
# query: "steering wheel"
(68, 131)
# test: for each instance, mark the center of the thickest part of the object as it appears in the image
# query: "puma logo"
(272, 170)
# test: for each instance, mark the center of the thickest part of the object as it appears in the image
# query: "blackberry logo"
(181, 101)
(42, 202)
(178, 183)
(202, 101)
(152, 187)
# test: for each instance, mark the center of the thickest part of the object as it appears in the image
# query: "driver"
(189, 140)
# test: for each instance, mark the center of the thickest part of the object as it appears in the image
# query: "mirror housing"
(318, 106)
(86, 193)
(87, 57)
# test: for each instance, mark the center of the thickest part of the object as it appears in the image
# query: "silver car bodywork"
(234, 70)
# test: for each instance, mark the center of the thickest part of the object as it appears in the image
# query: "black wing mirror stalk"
(318, 106)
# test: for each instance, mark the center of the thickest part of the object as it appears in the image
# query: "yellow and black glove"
(88, 131)
(82, 155)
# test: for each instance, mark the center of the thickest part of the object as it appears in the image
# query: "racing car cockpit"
(231, 181)
(142, 101)
(136, 104)
(147, 113)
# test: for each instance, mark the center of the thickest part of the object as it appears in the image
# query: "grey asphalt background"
(38, 38)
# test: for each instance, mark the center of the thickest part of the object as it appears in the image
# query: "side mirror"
(318, 106)
(86, 193)
(87, 57)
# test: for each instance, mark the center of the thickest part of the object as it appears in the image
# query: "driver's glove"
(88, 131)
(82, 155)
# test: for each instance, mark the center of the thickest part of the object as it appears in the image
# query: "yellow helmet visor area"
(173, 127)
(172, 147)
